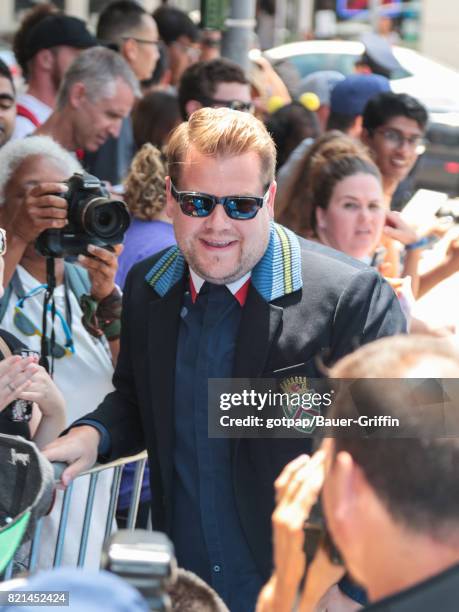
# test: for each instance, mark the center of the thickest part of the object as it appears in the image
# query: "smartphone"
(316, 534)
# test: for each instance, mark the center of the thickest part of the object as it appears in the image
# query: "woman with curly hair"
(145, 194)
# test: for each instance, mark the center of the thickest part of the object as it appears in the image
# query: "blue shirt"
(206, 530)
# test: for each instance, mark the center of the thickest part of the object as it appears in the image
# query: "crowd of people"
(308, 259)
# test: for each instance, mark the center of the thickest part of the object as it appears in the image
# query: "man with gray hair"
(97, 92)
(127, 27)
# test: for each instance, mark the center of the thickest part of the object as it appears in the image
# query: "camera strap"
(47, 348)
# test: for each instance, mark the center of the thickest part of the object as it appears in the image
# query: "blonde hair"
(145, 185)
(221, 132)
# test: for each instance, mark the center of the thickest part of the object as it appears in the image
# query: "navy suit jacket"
(341, 305)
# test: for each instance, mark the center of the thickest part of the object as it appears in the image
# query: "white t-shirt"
(84, 379)
(24, 126)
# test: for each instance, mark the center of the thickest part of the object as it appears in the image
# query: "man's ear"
(128, 50)
(356, 129)
(191, 106)
(365, 137)
(45, 59)
(271, 198)
(77, 94)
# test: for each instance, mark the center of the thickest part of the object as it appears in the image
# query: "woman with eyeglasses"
(31, 405)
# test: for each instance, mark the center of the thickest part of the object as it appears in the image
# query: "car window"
(311, 62)
(343, 62)
(400, 73)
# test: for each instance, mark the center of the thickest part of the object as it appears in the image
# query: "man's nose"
(218, 219)
(405, 146)
(115, 128)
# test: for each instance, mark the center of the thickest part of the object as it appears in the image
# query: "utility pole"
(238, 37)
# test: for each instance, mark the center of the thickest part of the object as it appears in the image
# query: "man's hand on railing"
(78, 448)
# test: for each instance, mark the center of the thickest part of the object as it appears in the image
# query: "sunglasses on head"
(195, 204)
(28, 328)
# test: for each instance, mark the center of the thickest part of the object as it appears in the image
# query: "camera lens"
(106, 219)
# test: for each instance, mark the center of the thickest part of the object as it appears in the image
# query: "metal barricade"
(140, 459)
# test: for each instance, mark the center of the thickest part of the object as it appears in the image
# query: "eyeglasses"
(239, 105)
(142, 41)
(397, 139)
(2, 241)
(28, 328)
(241, 208)
(192, 51)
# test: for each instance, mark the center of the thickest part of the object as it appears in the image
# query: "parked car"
(432, 83)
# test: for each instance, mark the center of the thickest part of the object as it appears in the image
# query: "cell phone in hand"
(316, 534)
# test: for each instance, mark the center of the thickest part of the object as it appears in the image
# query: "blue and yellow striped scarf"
(277, 273)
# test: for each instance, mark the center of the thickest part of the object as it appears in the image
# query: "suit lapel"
(163, 326)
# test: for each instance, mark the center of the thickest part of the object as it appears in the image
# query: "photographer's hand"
(297, 490)
(40, 209)
(26, 215)
(102, 267)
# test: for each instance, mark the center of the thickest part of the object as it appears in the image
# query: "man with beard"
(240, 296)
(7, 104)
(45, 45)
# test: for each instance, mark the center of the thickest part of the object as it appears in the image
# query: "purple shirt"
(143, 238)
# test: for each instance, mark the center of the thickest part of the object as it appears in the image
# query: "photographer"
(32, 172)
(391, 504)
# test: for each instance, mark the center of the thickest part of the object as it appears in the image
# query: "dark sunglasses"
(195, 204)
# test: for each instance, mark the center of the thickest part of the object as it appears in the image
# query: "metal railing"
(140, 459)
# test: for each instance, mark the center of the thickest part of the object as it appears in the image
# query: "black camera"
(93, 218)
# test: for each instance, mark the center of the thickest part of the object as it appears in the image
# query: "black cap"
(56, 30)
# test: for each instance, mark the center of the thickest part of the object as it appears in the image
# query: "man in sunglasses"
(217, 83)
(238, 297)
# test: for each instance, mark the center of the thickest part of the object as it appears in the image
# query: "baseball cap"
(321, 83)
(350, 96)
(56, 30)
(26, 485)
